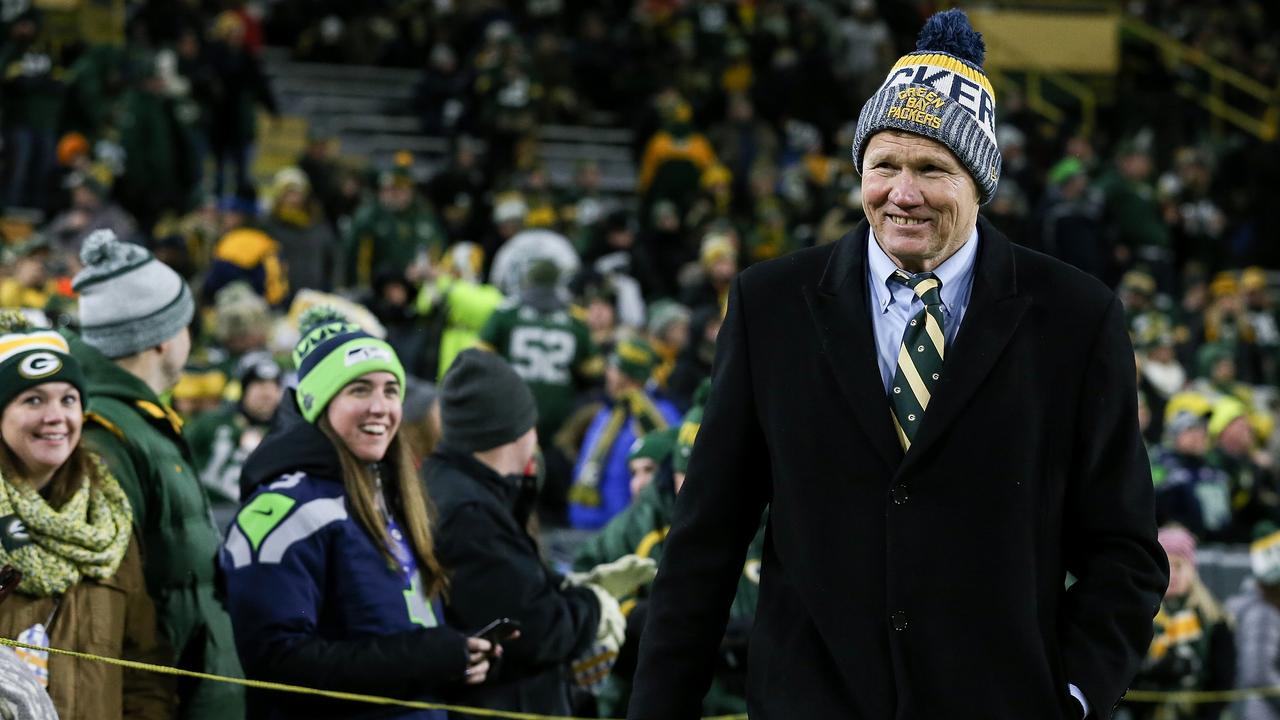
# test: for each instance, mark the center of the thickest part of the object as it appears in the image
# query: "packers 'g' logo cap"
(39, 365)
(33, 356)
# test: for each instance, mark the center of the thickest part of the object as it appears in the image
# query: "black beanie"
(484, 403)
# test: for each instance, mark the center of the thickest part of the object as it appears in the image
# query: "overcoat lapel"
(838, 306)
(995, 310)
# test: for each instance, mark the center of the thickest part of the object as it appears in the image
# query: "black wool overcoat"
(930, 585)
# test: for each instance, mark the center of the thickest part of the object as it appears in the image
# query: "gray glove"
(619, 578)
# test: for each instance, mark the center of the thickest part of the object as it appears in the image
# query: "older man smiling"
(942, 425)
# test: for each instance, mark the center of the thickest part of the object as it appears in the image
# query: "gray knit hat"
(484, 403)
(129, 301)
(939, 91)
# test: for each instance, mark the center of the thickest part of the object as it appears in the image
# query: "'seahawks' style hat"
(940, 91)
(334, 351)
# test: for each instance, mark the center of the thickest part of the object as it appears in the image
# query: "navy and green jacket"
(313, 600)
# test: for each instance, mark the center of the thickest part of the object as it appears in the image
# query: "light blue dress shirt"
(894, 304)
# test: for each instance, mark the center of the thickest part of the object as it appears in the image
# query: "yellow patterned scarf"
(645, 417)
(54, 549)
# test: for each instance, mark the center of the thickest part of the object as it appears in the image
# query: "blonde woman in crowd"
(68, 527)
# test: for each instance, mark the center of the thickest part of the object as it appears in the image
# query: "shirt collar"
(954, 273)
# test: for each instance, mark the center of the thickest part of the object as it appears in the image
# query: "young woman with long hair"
(67, 526)
(331, 572)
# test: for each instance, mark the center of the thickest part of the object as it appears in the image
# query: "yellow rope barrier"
(1137, 696)
(334, 694)
(1199, 696)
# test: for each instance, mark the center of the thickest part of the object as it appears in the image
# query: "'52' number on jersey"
(541, 354)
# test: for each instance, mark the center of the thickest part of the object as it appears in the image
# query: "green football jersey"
(551, 351)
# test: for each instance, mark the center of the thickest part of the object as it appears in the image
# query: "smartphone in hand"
(498, 631)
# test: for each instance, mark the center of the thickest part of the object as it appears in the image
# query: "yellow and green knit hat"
(334, 351)
(635, 358)
(33, 356)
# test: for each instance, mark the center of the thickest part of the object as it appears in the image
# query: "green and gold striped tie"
(919, 357)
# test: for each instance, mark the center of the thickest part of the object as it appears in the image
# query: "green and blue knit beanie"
(940, 92)
(34, 356)
(334, 351)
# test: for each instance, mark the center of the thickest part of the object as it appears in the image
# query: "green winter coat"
(380, 240)
(642, 529)
(141, 442)
(89, 104)
(1133, 212)
(154, 145)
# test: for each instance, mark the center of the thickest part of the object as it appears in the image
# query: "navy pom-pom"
(950, 32)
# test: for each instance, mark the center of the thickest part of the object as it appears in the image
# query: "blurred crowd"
(137, 145)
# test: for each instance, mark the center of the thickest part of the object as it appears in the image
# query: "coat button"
(899, 621)
(900, 494)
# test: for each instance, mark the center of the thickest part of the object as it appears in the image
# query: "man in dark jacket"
(480, 479)
(943, 425)
(134, 313)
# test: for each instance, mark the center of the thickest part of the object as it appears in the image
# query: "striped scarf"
(645, 418)
(54, 549)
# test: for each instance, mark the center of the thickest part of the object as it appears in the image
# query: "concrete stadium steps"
(562, 147)
(370, 110)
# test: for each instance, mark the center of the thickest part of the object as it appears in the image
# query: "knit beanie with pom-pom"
(334, 351)
(31, 356)
(941, 92)
(129, 301)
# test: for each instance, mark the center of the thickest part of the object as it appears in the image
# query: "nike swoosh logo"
(266, 513)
